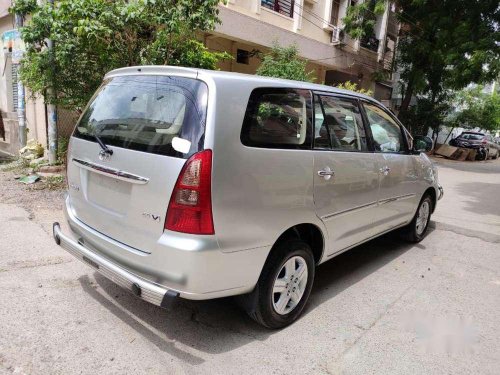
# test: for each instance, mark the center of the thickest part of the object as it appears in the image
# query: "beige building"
(251, 26)
(248, 28)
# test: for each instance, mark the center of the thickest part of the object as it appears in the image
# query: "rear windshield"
(472, 136)
(146, 113)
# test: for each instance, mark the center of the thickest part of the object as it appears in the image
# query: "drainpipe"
(51, 108)
(21, 97)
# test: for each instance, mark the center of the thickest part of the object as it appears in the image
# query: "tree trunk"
(451, 131)
(407, 97)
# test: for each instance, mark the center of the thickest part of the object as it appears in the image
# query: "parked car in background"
(205, 184)
(477, 140)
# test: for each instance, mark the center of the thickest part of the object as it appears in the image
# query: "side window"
(338, 124)
(387, 134)
(278, 118)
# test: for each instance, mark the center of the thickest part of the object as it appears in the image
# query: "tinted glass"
(145, 113)
(278, 118)
(387, 134)
(472, 136)
(338, 124)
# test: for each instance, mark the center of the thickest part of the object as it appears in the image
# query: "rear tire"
(284, 285)
(416, 230)
(496, 155)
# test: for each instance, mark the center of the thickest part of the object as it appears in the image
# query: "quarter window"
(387, 134)
(338, 124)
(278, 118)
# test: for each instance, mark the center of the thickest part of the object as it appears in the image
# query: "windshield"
(145, 113)
(472, 136)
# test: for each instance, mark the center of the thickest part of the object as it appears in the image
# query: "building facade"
(9, 95)
(315, 26)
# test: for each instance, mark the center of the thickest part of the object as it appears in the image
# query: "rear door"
(152, 124)
(398, 177)
(346, 177)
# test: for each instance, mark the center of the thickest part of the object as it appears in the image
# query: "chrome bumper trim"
(143, 289)
(111, 172)
(441, 192)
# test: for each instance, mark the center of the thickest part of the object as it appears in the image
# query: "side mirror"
(422, 143)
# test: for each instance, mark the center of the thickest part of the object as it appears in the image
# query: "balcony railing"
(284, 7)
(370, 42)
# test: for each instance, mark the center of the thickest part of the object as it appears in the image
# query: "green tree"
(93, 37)
(477, 109)
(443, 46)
(348, 85)
(284, 62)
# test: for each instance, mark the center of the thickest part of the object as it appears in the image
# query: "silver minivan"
(205, 184)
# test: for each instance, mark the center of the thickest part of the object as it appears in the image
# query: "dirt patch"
(43, 200)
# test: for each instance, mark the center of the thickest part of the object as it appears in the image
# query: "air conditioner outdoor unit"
(338, 36)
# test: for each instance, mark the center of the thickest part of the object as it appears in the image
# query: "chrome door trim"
(384, 201)
(363, 206)
(111, 172)
(398, 198)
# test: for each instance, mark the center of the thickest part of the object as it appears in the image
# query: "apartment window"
(334, 16)
(285, 7)
(242, 56)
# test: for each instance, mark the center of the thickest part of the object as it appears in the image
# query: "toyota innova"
(187, 183)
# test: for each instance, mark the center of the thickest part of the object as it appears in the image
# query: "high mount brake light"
(190, 207)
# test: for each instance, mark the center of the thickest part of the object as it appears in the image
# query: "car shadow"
(349, 268)
(218, 326)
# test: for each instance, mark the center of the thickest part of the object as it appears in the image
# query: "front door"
(346, 177)
(398, 177)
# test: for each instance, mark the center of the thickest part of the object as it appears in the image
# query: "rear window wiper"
(105, 149)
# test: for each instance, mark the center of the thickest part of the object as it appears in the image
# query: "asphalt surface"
(386, 307)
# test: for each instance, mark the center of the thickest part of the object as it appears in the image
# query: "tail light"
(190, 207)
(484, 141)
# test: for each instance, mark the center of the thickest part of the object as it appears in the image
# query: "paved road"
(384, 308)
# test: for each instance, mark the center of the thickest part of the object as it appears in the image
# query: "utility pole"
(21, 97)
(51, 108)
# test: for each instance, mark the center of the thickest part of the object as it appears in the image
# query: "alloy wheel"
(289, 285)
(423, 217)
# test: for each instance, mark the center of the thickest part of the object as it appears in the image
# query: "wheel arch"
(307, 232)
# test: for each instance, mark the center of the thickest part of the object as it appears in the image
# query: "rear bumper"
(144, 289)
(192, 267)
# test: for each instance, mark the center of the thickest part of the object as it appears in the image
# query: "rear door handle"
(326, 173)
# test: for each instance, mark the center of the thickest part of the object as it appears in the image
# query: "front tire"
(416, 230)
(284, 286)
